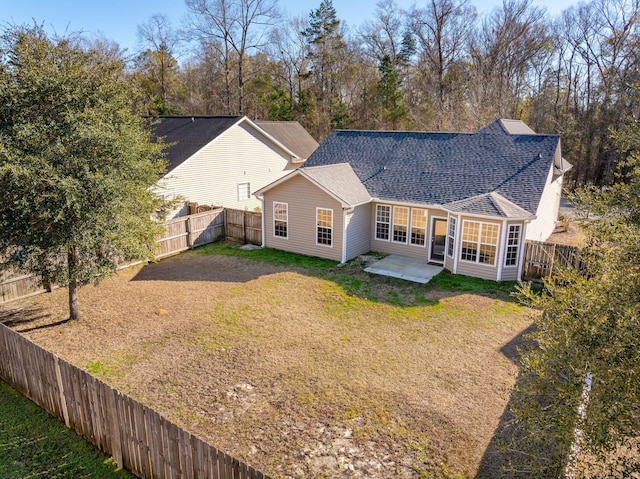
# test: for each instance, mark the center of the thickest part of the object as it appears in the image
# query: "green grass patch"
(267, 255)
(35, 444)
(469, 284)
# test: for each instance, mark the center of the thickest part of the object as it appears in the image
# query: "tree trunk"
(74, 310)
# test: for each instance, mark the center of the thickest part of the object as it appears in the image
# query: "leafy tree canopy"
(76, 163)
(591, 324)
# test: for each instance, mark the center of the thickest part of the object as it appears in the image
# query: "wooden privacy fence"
(245, 226)
(190, 231)
(541, 259)
(137, 437)
(181, 234)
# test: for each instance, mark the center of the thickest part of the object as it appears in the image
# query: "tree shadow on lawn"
(27, 318)
(507, 456)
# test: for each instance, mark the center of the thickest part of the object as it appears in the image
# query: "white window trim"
(318, 208)
(478, 243)
(274, 219)
(375, 232)
(452, 220)
(426, 227)
(248, 190)
(518, 245)
(393, 225)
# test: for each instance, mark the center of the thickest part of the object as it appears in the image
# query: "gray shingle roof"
(292, 135)
(189, 134)
(339, 180)
(442, 168)
(490, 204)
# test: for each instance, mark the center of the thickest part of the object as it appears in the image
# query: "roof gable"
(339, 181)
(444, 168)
(188, 134)
(292, 135)
(490, 204)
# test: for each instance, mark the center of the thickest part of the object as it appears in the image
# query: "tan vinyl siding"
(404, 249)
(547, 214)
(211, 176)
(303, 198)
(358, 234)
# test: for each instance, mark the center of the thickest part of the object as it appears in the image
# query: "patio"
(403, 267)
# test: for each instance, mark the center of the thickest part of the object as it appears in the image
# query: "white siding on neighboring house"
(547, 214)
(218, 173)
(358, 231)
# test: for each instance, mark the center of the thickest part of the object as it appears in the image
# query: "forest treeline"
(440, 66)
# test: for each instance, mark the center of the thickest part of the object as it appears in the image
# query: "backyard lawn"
(298, 366)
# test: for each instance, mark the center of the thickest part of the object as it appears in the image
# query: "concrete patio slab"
(403, 267)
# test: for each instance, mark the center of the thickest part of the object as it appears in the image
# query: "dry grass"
(286, 370)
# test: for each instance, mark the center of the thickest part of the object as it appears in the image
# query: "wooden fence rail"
(181, 234)
(138, 438)
(542, 259)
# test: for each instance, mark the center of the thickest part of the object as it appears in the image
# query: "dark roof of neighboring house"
(447, 168)
(292, 135)
(188, 134)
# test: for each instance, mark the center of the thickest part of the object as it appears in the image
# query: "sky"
(118, 19)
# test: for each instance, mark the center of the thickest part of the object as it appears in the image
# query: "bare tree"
(503, 50)
(236, 29)
(157, 60)
(442, 30)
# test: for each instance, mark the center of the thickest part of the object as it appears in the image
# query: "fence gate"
(245, 226)
(541, 259)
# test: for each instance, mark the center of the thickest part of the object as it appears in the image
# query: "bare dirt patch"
(290, 373)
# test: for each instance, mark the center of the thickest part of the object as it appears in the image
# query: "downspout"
(523, 245)
(344, 235)
(503, 246)
(264, 229)
(455, 243)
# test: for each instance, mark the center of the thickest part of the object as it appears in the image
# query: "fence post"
(226, 229)
(114, 429)
(63, 399)
(189, 229)
(244, 227)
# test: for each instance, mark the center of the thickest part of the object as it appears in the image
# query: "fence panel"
(245, 226)
(206, 227)
(15, 284)
(138, 438)
(541, 259)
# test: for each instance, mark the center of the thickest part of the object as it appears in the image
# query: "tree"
(157, 68)
(591, 325)
(390, 93)
(235, 28)
(327, 49)
(76, 163)
(442, 30)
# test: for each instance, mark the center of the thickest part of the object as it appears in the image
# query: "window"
(280, 219)
(513, 245)
(400, 224)
(324, 222)
(418, 227)
(244, 191)
(479, 242)
(383, 221)
(451, 232)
